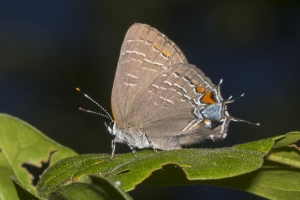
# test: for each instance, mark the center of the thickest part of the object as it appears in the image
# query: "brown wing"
(145, 54)
(170, 103)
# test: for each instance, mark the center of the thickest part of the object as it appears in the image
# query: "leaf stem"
(281, 160)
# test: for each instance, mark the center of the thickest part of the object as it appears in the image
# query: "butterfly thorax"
(133, 137)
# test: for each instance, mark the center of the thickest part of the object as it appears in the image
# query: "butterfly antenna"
(89, 111)
(93, 112)
(230, 100)
(241, 120)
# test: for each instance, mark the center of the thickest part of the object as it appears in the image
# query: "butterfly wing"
(145, 53)
(157, 92)
(171, 105)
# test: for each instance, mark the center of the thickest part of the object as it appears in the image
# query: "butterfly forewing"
(145, 54)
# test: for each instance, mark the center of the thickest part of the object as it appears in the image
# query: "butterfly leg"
(150, 142)
(113, 147)
(131, 148)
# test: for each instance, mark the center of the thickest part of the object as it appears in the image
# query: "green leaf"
(23, 193)
(73, 168)
(24, 150)
(100, 188)
(285, 152)
(287, 139)
(77, 191)
(197, 164)
(272, 181)
(279, 177)
(7, 189)
(289, 155)
(111, 189)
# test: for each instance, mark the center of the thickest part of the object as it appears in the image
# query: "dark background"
(47, 48)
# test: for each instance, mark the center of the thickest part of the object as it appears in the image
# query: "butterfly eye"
(110, 127)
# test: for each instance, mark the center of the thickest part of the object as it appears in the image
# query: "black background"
(47, 48)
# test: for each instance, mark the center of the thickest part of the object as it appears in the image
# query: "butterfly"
(161, 101)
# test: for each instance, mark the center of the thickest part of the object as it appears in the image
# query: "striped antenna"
(89, 111)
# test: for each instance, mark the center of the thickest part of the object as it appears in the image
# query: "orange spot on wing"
(207, 98)
(199, 88)
(200, 124)
(156, 46)
(166, 53)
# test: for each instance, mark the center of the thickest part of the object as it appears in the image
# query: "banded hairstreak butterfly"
(161, 101)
